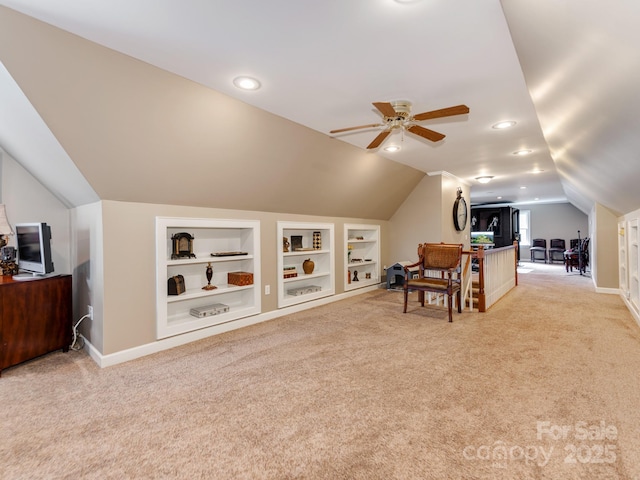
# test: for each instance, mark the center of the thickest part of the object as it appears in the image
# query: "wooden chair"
(539, 247)
(578, 257)
(439, 259)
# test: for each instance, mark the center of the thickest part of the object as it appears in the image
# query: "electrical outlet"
(267, 289)
(90, 312)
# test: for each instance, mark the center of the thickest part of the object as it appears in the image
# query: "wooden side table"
(35, 318)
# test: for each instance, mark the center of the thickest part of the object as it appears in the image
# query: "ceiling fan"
(397, 115)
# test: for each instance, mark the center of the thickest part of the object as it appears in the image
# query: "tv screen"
(34, 248)
(481, 238)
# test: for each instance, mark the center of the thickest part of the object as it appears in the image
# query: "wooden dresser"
(35, 318)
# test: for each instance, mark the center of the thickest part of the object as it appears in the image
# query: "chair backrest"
(440, 255)
(585, 245)
(539, 242)
(557, 243)
(573, 243)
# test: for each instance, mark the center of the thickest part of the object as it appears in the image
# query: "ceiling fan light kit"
(397, 115)
(503, 125)
(484, 178)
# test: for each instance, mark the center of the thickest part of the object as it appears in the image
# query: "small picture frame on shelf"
(296, 242)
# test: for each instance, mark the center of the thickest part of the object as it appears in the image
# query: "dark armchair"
(438, 272)
(556, 250)
(538, 250)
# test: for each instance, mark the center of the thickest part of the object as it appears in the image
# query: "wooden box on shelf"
(175, 285)
(240, 278)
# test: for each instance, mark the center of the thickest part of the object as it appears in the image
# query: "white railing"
(497, 273)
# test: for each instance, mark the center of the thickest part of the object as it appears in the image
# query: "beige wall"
(450, 185)
(128, 313)
(604, 248)
(427, 216)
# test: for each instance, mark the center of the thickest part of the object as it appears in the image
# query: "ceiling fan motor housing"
(403, 111)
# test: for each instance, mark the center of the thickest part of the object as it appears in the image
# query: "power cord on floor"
(78, 342)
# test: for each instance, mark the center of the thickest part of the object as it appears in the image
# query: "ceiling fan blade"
(340, 130)
(443, 112)
(425, 133)
(379, 139)
(385, 108)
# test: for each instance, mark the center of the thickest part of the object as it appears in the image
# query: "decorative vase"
(308, 266)
(209, 273)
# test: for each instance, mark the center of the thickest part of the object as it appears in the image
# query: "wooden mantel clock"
(182, 246)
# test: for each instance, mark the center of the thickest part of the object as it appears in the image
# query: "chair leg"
(450, 308)
(459, 294)
(406, 294)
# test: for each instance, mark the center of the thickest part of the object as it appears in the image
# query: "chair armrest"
(407, 267)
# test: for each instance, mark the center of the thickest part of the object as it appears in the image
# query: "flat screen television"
(481, 238)
(34, 249)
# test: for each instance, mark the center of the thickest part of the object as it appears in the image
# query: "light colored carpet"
(351, 390)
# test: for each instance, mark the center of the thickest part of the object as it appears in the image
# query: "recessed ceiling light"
(503, 125)
(407, 1)
(536, 171)
(246, 83)
(522, 152)
(484, 178)
(523, 188)
(536, 198)
(499, 198)
(392, 148)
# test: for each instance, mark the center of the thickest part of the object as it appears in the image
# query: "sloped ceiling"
(582, 67)
(140, 134)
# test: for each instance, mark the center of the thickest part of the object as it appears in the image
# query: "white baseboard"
(177, 340)
(610, 291)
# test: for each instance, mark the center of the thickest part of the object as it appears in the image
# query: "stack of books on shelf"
(290, 271)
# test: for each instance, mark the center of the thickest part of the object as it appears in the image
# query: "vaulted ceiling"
(139, 105)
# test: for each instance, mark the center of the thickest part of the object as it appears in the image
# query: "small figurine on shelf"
(355, 276)
(209, 274)
(285, 244)
(348, 276)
